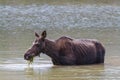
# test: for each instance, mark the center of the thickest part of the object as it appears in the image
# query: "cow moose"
(67, 51)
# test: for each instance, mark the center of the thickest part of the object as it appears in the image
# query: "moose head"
(37, 47)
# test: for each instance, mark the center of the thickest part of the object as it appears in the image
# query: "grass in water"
(30, 61)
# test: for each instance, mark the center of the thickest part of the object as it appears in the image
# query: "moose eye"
(38, 45)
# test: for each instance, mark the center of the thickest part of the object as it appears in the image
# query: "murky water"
(19, 19)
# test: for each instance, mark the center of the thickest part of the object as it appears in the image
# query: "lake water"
(19, 19)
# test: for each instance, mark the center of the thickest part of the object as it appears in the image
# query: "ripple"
(42, 16)
(23, 66)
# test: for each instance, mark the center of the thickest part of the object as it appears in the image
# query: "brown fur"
(68, 51)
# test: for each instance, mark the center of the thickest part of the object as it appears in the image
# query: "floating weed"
(30, 61)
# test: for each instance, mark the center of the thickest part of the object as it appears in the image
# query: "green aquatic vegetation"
(30, 61)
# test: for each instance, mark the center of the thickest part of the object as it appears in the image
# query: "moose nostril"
(26, 57)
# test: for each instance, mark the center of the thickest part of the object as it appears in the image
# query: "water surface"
(98, 19)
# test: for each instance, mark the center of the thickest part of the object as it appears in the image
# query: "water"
(99, 19)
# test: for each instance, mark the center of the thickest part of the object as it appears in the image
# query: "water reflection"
(68, 72)
(91, 72)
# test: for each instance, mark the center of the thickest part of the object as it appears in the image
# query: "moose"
(67, 51)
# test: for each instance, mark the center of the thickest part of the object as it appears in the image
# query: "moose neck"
(51, 50)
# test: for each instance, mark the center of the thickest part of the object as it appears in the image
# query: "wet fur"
(68, 51)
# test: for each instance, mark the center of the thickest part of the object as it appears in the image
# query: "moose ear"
(44, 34)
(37, 35)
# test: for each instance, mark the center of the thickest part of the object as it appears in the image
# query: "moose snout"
(27, 57)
